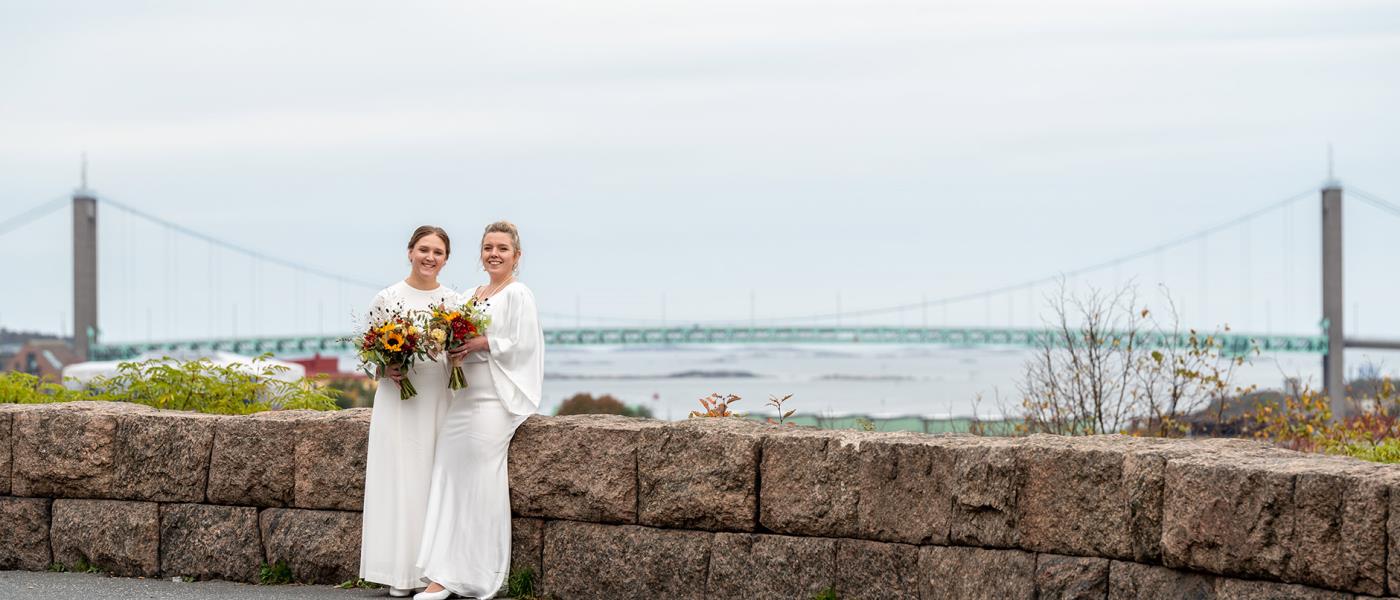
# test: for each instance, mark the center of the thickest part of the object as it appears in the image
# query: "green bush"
(1384, 451)
(23, 388)
(198, 386)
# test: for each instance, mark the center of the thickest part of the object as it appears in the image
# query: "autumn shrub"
(352, 390)
(586, 404)
(717, 405)
(1303, 420)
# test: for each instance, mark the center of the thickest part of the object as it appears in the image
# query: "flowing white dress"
(466, 537)
(398, 470)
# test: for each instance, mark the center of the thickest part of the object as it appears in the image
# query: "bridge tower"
(85, 328)
(1333, 365)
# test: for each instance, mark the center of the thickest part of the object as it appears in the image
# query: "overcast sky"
(697, 154)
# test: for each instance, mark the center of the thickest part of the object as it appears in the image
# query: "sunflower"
(393, 342)
(387, 327)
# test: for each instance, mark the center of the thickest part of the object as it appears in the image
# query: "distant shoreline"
(692, 374)
(838, 377)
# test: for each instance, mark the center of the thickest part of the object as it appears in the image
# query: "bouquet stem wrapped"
(406, 389)
(457, 380)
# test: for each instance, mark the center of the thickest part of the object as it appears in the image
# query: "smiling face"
(499, 254)
(428, 255)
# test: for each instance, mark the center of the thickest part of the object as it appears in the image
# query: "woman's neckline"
(498, 292)
(411, 287)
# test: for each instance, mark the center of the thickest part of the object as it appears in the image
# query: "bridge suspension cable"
(1375, 201)
(988, 293)
(1099, 266)
(55, 204)
(28, 216)
(240, 249)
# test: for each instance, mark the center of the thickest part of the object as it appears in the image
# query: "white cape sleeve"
(517, 351)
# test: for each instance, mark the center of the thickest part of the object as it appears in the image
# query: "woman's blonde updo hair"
(507, 228)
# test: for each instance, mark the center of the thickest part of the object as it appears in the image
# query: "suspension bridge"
(1328, 341)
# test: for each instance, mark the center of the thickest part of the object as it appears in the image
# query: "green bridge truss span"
(1231, 343)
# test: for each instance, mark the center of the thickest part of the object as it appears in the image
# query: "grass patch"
(827, 594)
(83, 566)
(521, 584)
(278, 573)
(359, 583)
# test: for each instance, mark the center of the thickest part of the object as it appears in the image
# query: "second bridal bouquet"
(392, 339)
(451, 326)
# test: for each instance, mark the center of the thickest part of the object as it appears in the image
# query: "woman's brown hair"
(428, 230)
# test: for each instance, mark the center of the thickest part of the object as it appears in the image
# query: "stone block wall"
(718, 508)
(140, 492)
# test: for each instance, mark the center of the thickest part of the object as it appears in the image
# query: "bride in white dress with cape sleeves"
(466, 537)
(402, 433)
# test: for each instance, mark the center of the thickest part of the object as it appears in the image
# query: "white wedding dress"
(398, 470)
(466, 537)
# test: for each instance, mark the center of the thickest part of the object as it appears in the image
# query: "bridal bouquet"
(450, 327)
(392, 339)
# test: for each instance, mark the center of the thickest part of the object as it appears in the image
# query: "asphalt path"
(43, 585)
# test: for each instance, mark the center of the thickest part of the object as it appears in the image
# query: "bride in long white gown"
(402, 433)
(466, 537)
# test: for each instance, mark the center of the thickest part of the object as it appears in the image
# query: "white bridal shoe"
(399, 592)
(442, 594)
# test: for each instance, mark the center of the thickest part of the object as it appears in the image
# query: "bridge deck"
(1234, 343)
